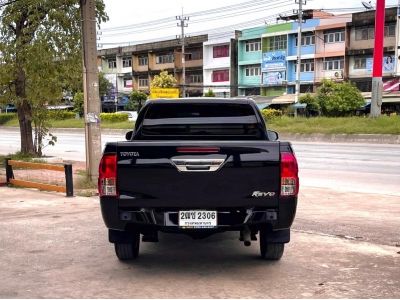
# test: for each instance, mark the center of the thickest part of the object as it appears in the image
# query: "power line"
(215, 33)
(194, 14)
(223, 16)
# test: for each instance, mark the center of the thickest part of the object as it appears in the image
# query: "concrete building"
(152, 58)
(330, 49)
(116, 64)
(249, 61)
(133, 67)
(361, 47)
(220, 65)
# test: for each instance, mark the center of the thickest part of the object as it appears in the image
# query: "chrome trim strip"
(198, 164)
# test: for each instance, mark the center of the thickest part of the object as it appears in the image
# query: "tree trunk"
(24, 111)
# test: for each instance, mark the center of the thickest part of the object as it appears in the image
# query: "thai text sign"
(156, 93)
(273, 60)
(274, 78)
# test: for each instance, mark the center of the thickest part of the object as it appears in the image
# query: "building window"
(143, 60)
(194, 54)
(307, 40)
(334, 36)
(112, 63)
(365, 33)
(127, 82)
(221, 51)
(306, 65)
(143, 81)
(220, 76)
(253, 46)
(195, 78)
(127, 62)
(165, 58)
(390, 30)
(334, 63)
(278, 42)
(360, 63)
(253, 71)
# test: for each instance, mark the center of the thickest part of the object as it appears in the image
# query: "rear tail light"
(108, 175)
(289, 175)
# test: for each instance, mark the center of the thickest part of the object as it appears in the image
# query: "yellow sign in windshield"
(156, 93)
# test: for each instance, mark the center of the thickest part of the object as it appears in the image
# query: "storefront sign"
(273, 60)
(387, 64)
(274, 78)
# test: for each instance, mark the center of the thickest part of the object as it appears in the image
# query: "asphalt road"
(371, 168)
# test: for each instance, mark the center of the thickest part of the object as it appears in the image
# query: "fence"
(67, 168)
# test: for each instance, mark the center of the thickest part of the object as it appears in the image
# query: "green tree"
(40, 46)
(209, 93)
(164, 80)
(78, 103)
(136, 100)
(313, 106)
(104, 85)
(338, 99)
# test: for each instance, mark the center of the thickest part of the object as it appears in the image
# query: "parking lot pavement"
(56, 247)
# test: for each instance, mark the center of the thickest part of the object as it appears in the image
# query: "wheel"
(270, 251)
(128, 251)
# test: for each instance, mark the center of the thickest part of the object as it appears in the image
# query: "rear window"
(200, 121)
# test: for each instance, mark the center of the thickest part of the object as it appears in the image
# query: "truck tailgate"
(198, 174)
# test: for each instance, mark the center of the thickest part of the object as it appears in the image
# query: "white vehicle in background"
(132, 115)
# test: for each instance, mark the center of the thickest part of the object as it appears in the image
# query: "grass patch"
(77, 123)
(83, 182)
(20, 156)
(348, 125)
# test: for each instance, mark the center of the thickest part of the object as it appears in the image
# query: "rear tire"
(270, 251)
(128, 251)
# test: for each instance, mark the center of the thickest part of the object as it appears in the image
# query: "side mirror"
(128, 135)
(273, 135)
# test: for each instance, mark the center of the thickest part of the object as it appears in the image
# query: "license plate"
(197, 218)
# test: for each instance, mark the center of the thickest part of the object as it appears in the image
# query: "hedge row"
(61, 114)
(270, 113)
(4, 118)
(114, 117)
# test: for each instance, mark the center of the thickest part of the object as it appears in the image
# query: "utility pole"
(182, 24)
(377, 85)
(91, 88)
(298, 16)
(300, 22)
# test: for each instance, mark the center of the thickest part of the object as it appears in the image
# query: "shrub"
(210, 93)
(136, 101)
(61, 114)
(114, 117)
(270, 113)
(339, 99)
(313, 107)
(4, 118)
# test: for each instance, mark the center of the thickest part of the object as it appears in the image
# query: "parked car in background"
(9, 108)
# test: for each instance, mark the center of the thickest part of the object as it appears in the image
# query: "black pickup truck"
(199, 167)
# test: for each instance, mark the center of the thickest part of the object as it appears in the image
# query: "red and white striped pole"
(377, 85)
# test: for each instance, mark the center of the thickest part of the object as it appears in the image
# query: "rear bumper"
(166, 219)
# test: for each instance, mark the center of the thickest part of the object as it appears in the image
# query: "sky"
(129, 14)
